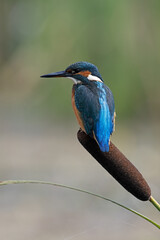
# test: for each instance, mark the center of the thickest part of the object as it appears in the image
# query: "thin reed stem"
(7, 182)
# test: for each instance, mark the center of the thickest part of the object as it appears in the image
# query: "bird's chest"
(76, 111)
(73, 98)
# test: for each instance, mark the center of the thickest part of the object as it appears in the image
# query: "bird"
(92, 101)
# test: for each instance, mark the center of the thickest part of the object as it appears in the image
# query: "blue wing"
(97, 112)
(88, 107)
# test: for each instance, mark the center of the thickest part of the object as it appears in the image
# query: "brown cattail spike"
(118, 166)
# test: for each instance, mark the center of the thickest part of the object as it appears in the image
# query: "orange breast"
(77, 113)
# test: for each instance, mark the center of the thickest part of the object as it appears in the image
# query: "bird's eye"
(72, 71)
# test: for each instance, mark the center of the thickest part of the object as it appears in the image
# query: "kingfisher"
(92, 101)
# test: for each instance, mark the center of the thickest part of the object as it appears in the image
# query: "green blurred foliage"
(120, 37)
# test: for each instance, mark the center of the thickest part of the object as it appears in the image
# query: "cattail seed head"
(118, 166)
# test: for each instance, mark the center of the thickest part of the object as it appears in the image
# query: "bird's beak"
(55, 75)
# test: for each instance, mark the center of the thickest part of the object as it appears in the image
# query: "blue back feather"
(104, 126)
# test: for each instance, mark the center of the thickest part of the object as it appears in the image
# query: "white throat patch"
(74, 80)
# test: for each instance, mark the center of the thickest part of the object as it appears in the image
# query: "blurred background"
(38, 127)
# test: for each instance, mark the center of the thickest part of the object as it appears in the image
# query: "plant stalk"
(7, 182)
(154, 202)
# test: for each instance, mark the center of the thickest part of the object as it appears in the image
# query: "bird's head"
(79, 72)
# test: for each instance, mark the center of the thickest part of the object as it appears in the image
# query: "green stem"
(82, 191)
(154, 202)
